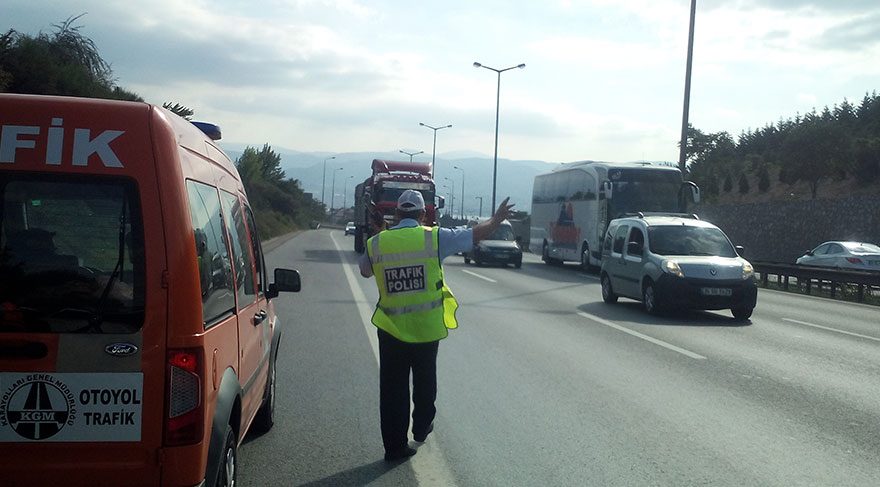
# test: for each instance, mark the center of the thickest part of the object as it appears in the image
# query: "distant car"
(845, 255)
(500, 248)
(676, 262)
(349, 228)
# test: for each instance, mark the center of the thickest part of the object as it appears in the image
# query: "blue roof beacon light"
(211, 130)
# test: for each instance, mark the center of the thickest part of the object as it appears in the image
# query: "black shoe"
(421, 438)
(399, 454)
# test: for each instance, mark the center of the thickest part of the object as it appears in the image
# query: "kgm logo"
(37, 406)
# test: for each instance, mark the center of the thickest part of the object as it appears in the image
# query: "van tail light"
(854, 260)
(185, 413)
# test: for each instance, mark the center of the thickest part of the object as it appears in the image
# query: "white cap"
(411, 200)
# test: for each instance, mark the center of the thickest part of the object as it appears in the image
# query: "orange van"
(137, 332)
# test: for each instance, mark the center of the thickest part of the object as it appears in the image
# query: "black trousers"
(396, 360)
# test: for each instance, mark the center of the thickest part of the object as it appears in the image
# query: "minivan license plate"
(716, 291)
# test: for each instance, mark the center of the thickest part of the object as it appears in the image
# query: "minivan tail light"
(184, 416)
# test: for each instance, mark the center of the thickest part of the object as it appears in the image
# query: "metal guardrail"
(822, 277)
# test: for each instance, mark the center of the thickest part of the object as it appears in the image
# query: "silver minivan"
(674, 261)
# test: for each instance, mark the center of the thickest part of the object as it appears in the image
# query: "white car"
(349, 228)
(848, 255)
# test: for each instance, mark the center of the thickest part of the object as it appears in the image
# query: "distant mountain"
(515, 177)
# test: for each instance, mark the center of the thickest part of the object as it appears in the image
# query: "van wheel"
(649, 298)
(227, 475)
(741, 313)
(265, 418)
(467, 260)
(607, 292)
(518, 264)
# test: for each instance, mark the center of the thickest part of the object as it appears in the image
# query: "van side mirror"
(809, 252)
(740, 250)
(441, 202)
(286, 280)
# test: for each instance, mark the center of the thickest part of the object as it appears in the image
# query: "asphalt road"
(544, 384)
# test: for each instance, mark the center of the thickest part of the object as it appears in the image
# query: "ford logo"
(121, 349)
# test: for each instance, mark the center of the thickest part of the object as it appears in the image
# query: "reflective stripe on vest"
(427, 253)
(414, 305)
(413, 308)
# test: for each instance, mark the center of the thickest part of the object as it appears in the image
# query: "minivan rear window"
(71, 254)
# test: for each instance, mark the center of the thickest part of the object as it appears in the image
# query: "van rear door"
(82, 305)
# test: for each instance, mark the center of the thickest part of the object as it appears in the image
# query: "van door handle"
(260, 317)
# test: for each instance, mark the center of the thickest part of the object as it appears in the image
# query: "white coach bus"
(572, 205)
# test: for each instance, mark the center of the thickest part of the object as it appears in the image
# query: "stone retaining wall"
(780, 231)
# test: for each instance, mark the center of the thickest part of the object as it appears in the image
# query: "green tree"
(179, 110)
(763, 179)
(815, 151)
(65, 62)
(728, 184)
(278, 202)
(866, 161)
(743, 184)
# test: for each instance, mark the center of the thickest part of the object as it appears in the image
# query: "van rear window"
(71, 255)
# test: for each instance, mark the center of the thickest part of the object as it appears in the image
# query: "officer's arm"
(484, 229)
(365, 265)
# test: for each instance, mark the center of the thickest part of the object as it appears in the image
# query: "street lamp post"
(481, 204)
(410, 154)
(682, 152)
(448, 194)
(345, 193)
(434, 151)
(324, 178)
(461, 204)
(497, 110)
(452, 204)
(333, 190)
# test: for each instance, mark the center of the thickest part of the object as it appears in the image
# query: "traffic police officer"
(414, 311)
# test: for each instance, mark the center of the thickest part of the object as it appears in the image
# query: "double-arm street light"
(497, 108)
(411, 154)
(324, 178)
(434, 151)
(461, 204)
(452, 204)
(333, 190)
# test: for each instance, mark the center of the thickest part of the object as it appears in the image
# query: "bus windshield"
(644, 190)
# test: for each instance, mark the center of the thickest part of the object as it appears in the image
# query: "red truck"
(376, 197)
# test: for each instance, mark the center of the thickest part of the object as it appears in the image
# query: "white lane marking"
(477, 275)
(643, 337)
(429, 465)
(365, 308)
(831, 329)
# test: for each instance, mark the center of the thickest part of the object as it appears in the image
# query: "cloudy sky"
(604, 79)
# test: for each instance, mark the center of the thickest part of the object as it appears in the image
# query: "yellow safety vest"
(415, 305)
